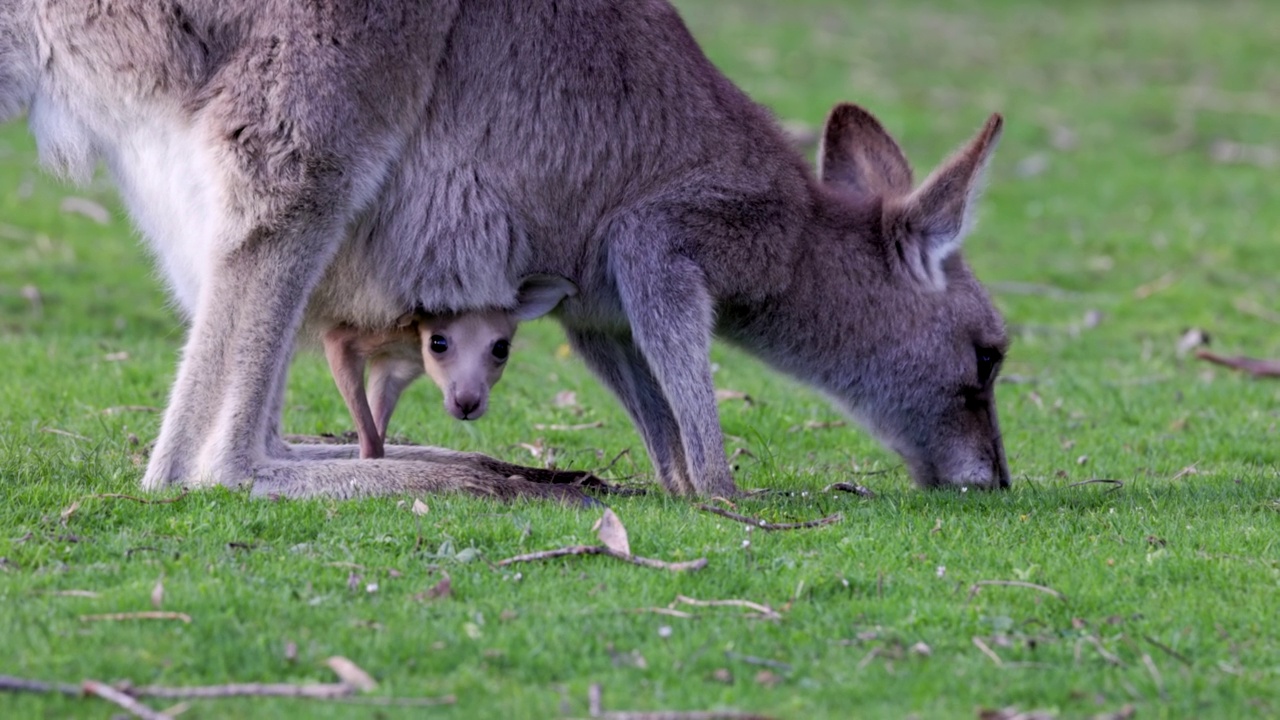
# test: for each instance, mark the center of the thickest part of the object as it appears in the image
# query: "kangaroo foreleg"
(620, 366)
(671, 313)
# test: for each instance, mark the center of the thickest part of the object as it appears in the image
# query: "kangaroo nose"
(468, 406)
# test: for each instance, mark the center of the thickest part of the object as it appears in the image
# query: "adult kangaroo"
(296, 165)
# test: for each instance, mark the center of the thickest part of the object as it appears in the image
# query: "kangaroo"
(335, 163)
(465, 354)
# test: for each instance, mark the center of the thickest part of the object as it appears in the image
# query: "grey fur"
(379, 156)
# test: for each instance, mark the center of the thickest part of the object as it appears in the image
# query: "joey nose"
(468, 406)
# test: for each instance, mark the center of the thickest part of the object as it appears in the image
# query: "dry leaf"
(722, 675)
(612, 533)
(921, 648)
(566, 399)
(419, 507)
(1192, 339)
(290, 651)
(157, 594)
(65, 515)
(724, 395)
(351, 674)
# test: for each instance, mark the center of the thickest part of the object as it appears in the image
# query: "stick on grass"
(112, 695)
(147, 615)
(976, 587)
(765, 524)
(602, 550)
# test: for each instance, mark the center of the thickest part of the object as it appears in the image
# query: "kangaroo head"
(927, 339)
(465, 353)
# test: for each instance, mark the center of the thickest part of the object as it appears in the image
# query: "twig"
(1168, 650)
(976, 587)
(1250, 307)
(8, 683)
(130, 409)
(753, 660)
(1100, 481)
(664, 611)
(595, 707)
(849, 488)
(602, 550)
(614, 461)
(762, 609)
(313, 691)
(144, 501)
(866, 659)
(986, 650)
(110, 694)
(1106, 655)
(570, 428)
(147, 615)
(595, 700)
(1254, 367)
(765, 525)
(64, 433)
(1155, 675)
(397, 701)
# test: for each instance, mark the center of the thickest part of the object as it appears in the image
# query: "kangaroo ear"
(539, 295)
(857, 154)
(938, 215)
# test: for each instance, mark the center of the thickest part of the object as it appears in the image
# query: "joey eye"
(501, 349)
(439, 344)
(988, 359)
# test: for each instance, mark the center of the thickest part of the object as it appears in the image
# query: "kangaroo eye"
(501, 350)
(988, 360)
(439, 344)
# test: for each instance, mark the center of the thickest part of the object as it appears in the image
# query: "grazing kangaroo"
(340, 162)
(464, 353)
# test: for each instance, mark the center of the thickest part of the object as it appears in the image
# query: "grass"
(1109, 195)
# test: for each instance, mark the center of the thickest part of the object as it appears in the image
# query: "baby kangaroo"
(464, 353)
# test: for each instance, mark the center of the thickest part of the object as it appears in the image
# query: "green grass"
(1106, 181)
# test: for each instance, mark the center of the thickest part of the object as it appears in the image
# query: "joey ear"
(539, 295)
(939, 214)
(858, 154)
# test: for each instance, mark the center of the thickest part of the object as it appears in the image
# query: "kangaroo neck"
(816, 327)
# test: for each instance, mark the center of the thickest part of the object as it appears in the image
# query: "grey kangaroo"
(464, 353)
(301, 164)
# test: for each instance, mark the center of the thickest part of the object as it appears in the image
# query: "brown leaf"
(419, 507)
(722, 675)
(290, 651)
(612, 533)
(351, 674)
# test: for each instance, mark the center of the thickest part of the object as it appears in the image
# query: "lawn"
(1134, 198)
